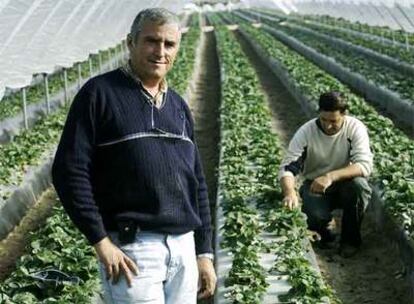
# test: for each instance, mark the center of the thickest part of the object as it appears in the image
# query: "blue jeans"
(168, 272)
(351, 195)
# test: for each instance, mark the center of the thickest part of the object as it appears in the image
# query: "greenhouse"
(274, 154)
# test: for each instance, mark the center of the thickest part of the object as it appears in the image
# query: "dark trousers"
(351, 195)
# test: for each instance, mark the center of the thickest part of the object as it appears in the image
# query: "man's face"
(153, 53)
(331, 122)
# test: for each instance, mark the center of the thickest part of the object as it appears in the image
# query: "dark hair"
(332, 101)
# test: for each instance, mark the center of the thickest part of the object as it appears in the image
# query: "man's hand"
(115, 261)
(321, 183)
(207, 277)
(291, 200)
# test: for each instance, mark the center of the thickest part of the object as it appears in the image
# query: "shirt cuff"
(364, 171)
(206, 255)
(283, 173)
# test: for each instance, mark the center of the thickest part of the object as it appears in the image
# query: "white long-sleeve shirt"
(314, 153)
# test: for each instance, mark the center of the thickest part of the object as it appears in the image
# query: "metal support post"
(46, 82)
(111, 58)
(100, 61)
(65, 86)
(24, 104)
(79, 75)
(90, 66)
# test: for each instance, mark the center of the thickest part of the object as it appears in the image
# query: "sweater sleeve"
(202, 235)
(71, 171)
(360, 153)
(294, 160)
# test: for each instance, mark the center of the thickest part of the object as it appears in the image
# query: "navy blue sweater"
(121, 156)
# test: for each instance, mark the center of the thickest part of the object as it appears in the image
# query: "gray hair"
(159, 16)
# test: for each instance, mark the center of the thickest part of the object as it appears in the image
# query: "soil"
(204, 103)
(373, 275)
(13, 246)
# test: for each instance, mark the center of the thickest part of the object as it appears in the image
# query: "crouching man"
(332, 153)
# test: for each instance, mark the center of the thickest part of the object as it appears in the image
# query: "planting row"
(55, 246)
(382, 33)
(354, 61)
(250, 196)
(59, 245)
(184, 65)
(28, 149)
(394, 151)
(400, 53)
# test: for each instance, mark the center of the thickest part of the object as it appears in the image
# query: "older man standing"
(128, 173)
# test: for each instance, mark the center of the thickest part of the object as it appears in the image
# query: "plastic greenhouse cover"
(41, 36)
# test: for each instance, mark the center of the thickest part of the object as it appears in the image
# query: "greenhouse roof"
(40, 36)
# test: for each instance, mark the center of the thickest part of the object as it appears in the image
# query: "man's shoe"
(327, 240)
(328, 236)
(324, 245)
(348, 251)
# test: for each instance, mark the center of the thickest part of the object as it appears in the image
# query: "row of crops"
(394, 151)
(58, 245)
(399, 53)
(370, 68)
(250, 196)
(383, 34)
(380, 32)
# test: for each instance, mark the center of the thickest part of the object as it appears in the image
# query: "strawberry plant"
(57, 245)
